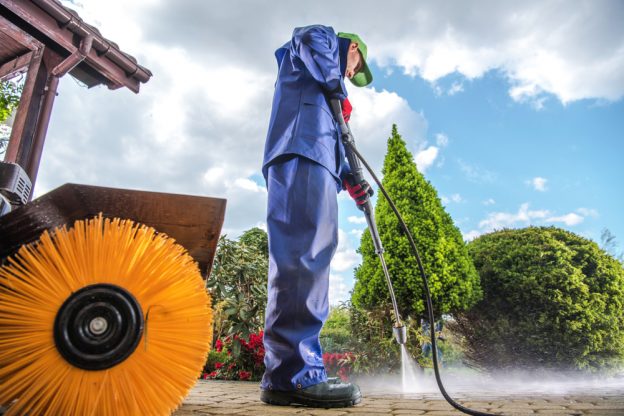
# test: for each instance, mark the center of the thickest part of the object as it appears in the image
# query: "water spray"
(399, 330)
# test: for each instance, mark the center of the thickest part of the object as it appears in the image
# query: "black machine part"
(5, 205)
(15, 184)
(399, 331)
(98, 326)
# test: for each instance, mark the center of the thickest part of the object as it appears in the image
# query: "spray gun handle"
(348, 140)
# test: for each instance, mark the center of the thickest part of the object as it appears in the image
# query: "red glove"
(360, 192)
(346, 110)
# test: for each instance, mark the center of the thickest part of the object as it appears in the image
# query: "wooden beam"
(20, 36)
(11, 68)
(28, 109)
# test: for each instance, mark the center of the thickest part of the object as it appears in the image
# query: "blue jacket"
(311, 71)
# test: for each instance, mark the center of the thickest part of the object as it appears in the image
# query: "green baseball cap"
(364, 75)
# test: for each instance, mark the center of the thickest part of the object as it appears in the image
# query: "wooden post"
(27, 113)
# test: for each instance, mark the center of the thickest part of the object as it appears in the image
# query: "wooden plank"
(193, 221)
(11, 68)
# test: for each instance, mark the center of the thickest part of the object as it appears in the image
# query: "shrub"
(336, 335)
(372, 341)
(237, 284)
(243, 359)
(552, 299)
(214, 357)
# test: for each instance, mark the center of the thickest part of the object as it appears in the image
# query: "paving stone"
(323, 412)
(407, 412)
(242, 398)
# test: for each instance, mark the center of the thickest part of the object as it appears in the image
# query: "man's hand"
(346, 110)
(360, 192)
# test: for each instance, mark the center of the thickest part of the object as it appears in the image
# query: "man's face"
(354, 60)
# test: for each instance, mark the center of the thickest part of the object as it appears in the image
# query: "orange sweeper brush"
(106, 318)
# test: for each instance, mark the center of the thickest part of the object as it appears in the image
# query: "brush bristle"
(162, 276)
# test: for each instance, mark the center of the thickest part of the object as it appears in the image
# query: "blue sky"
(496, 147)
(513, 110)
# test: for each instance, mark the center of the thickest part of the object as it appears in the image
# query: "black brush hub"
(98, 327)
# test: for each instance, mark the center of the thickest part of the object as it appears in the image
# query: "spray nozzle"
(400, 333)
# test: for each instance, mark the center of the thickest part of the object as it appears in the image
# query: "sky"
(514, 111)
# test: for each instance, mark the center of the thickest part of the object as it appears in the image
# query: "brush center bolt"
(98, 325)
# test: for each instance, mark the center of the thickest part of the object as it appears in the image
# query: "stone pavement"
(242, 398)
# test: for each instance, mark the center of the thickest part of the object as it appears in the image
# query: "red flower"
(244, 375)
(258, 357)
(219, 345)
(218, 366)
(231, 366)
(343, 373)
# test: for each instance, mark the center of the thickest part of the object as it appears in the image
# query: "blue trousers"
(302, 222)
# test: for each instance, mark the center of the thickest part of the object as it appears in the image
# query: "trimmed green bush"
(453, 280)
(552, 300)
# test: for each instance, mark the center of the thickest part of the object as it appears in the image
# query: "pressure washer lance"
(400, 333)
(399, 330)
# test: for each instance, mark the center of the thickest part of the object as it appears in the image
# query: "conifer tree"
(453, 280)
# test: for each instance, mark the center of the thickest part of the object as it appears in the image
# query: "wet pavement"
(382, 398)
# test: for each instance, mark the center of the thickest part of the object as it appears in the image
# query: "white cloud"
(338, 289)
(442, 140)
(374, 112)
(568, 219)
(525, 217)
(588, 212)
(425, 158)
(357, 232)
(581, 59)
(198, 126)
(476, 173)
(498, 220)
(538, 183)
(455, 88)
(353, 219)
(471, 235)
(456, 198)
(248, 185)
(489, 201)
(341, 271)
(346, 258)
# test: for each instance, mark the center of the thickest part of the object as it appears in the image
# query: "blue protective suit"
(311, 71)
(303, 163)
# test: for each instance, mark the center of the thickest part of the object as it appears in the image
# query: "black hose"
(406, 230)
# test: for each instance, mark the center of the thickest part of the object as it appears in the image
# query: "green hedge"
(552, 299)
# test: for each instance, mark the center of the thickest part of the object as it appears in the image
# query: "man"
(304, 167)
